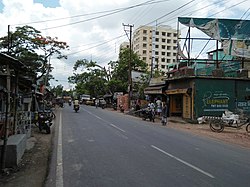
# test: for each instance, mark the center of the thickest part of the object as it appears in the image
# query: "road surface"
(102, 148)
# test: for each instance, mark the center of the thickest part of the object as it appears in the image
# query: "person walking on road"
(158, 107)
(164, 114)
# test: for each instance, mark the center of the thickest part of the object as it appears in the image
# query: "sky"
(94, 29)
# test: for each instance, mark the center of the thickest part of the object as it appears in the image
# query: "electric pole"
(130, 89)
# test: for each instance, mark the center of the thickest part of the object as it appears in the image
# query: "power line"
(108, 14)
(96, 45)
(245, 13)
(163, 22)
(81, 15)
(228, 8)
(156, 19)
(171, 12)
(174, 17)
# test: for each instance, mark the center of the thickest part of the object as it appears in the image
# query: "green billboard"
(213, 96)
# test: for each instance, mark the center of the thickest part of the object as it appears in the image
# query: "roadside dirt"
(229, 135)
(32, 171)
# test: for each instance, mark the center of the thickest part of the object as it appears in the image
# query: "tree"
(97, 80)
(34, 50)
(92, 81)
(120, 70)
(58, 90)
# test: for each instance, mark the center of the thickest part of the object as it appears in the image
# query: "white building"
(124, 45)
(157, 46)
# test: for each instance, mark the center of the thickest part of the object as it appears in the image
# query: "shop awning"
(154, 89)
(176, 91)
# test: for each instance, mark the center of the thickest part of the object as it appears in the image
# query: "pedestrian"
(151, 105)
(164, 114)
(158, 106)
(96, 102)
(138, 105)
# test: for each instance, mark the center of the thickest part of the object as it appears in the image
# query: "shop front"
(180, 102)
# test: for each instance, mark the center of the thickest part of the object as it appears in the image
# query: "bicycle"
(231, 120)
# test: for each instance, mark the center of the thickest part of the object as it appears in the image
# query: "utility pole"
(130, 88)
(153, 52)
(6, 124)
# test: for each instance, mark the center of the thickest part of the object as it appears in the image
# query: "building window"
(157, 39)
(163, 66)
(157, 32)
(175, 41)
(157, 46)
(163, 47)
(174, 54)
(163, 33)
(156, 53)
(144, 52)
(168, 47)
(163, 40)
(163, 53)
(175, 34)
(163, 59)
(168, 60)
(144, 45)
(144, 38)
(174, 47)
(169, 34)
(168, 54)
(144, 58)
(144, 31)
(168, 41)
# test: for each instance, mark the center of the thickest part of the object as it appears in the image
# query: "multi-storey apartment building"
(124, 45)
(157, 46)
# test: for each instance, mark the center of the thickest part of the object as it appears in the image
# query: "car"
(90, 102)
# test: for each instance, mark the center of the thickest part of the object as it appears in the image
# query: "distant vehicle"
(90, 102)
(84, 98)
(102, 103)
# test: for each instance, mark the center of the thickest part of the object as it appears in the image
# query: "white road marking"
(59, 167)
(110, 124)
(182, 161)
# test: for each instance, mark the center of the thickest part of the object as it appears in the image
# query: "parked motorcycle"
(44, 122)
(148, 114)
(76, 108)
(114, 106)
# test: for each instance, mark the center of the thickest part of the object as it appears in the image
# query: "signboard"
(186, 106)
(243, 96)
(213, 97)
(234, 33)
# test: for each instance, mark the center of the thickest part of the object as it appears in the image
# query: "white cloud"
(104, 28)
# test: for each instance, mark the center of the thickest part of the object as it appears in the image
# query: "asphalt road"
(102, 148)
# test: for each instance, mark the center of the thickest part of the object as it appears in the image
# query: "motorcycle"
(76, 108)
(148, 114)
(44, 122)
(114, 106)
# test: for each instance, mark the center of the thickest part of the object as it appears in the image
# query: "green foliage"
(58, 91)
(31, 48)
(96, 80)
(92, 80)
